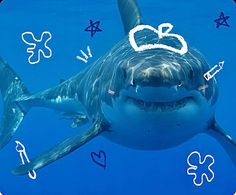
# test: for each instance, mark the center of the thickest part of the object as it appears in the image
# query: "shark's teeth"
(161, 106)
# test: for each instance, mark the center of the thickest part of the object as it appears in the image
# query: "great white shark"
(148, 100)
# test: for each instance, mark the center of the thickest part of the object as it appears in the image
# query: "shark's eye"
(179, 83)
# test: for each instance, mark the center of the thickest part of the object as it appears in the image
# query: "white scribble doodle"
(33, 50)
(20, 148)
(161, 33)
(198, 181)
(85, 59)
(213, 71)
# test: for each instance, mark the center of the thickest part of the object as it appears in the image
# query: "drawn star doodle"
(93, 27)
(222, 20)
(197, 168)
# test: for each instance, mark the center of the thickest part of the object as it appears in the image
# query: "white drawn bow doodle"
(161, 33)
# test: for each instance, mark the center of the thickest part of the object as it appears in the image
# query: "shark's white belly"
(139, 129)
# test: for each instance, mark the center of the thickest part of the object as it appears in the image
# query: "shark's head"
(157, 98)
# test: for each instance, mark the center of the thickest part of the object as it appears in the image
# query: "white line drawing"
(161, 33)
(213, 71)
(194, 168)
(20, 148)
(33, 45)
(85, 59)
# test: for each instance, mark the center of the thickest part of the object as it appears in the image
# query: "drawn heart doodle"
(99, 158)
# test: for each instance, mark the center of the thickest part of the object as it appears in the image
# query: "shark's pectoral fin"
(79, 120)
(62, 149)
(225, 140)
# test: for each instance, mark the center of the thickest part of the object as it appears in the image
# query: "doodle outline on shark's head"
(153, 99)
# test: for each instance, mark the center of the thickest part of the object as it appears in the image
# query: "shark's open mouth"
(161, 106)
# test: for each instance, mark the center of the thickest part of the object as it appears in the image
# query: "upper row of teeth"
(161, 105)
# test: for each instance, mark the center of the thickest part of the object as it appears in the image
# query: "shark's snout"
(155, 77)
(152, 83)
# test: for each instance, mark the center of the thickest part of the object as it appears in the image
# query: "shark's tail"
(11, 88)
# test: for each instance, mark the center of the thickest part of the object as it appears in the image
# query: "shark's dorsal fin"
(130, 14)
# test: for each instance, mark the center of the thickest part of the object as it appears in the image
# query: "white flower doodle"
(33, 42)
(193, 168)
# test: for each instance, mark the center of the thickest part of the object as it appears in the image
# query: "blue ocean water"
(127, 171)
